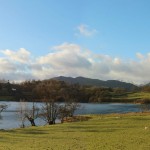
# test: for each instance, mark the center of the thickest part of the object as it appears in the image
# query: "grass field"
(131, 97)
(138, 95)
(107, 132)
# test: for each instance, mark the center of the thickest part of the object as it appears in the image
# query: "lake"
(9, 118)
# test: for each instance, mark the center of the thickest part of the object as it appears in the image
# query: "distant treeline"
(59, 91)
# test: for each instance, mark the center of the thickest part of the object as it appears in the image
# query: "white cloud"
(22, 55)
(15, 65)
(139, 55)
(6, 66)
(65, 55)
(84, 30)
(70, 59)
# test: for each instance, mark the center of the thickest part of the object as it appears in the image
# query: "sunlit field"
(101, 132)
(138, 95)
(130, 97)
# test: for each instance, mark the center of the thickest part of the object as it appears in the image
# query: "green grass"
(131, 96)
(102, 132)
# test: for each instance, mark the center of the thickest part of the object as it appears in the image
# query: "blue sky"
(110, 30)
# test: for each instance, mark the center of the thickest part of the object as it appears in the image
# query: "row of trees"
(61, 91)
(49, 112)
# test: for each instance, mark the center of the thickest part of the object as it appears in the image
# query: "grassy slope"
(139, 95)
(115, 132)
(130, 97)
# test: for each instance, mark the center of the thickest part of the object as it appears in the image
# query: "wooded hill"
(69, 89)
(97, 82)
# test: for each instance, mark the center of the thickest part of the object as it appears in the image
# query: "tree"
(52, 91)
(48, 92)
(3, 107)
(32, 113)
(72, 107)
(27, 112)
(63, 112)
(49, 111)
(67, 110)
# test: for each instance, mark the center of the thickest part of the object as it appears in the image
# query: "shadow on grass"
(141, 118)
(34, 132)
(93, 128)
(24, 131)
(7, 131)
(77, 118)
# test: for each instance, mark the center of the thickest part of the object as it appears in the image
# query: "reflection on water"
(9, 118)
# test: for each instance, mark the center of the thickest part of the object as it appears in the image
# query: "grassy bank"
(101, 132)
(130, 97)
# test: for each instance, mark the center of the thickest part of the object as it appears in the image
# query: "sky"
(99, 39)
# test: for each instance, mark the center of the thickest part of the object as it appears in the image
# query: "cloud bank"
(70, 59)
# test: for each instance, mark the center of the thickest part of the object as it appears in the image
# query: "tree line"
(58, 90)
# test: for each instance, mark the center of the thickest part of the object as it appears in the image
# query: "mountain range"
(97, 82)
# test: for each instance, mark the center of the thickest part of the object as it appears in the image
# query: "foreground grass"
(108, 132)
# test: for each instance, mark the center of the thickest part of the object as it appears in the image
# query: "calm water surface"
(9, 118)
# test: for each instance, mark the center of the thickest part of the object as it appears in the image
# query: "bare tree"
(3, 107)
(27, 112)
(67, 110)
(72, 107)
(49, 111)
(32, 113)
(48, 92)
(63, 112)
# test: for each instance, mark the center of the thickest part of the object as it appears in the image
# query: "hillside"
(97, 82)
